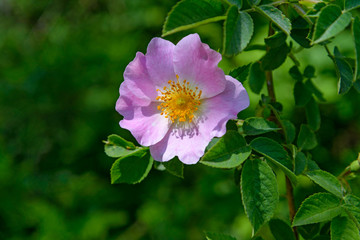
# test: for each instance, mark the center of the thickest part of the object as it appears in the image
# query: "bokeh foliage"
(61, 65)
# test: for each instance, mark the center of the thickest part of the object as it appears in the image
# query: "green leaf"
(313, 114)
(319, 207)
(290, 131)
(257, 125)
(276, 16)
(276, 40)
(295, 73)
(259, 192)
(331, 22)
(240, 73)
(275, 57)
(281, 230)
(132, 168)
(188, 14)
(356, 35)
(237, 3)
(256, 78)
(306, 139)
(116, 146)
(309, 71)
(229, 152)
(276, 154)
(175, 167)
(351, 4)
(300, 163)
(254, 2)
(345, 72)
(238, 30)
(311, 87)
(327, 181)
(302, 94)
(309, 231)
(343, 228)
(352, 204)
(218, 236)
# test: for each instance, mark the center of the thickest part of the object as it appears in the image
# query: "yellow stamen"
(179, 101)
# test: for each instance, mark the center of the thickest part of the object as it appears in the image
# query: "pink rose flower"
(175, 98)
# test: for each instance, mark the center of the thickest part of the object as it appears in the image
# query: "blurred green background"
(61, 64)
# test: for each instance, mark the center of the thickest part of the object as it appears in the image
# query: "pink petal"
(138, 78)
(189, 144)
(197, 63)
(146, 124)
(159, 61)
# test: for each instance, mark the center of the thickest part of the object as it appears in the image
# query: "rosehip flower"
(175, 98)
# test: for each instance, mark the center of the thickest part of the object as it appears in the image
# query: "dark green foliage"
(256, 78)
(276, 154)
(275, 57)
(61, 65)
(343, 228)
(313, 114)
(218, 236)
(306, 139)
(175, 167)
(295, 73)
(132, 168)
(281, 230)
(238, 30)
(256, 126)
(259, 192)
(345, 72)
(240, 73)
(300, 163)
(302, 94)
(276, 16)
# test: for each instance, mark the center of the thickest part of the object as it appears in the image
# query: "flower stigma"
(179, 101)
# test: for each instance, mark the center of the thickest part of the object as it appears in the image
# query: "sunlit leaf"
(230, 151)
(188, 14)
(319, 207)
(331, 22)
(116, 146)
(327, 181)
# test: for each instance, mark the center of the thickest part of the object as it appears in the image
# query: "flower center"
(179, 101)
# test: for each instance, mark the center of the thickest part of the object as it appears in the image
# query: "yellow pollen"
(179, 101)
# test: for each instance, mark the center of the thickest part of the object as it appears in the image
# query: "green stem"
(289, 188)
